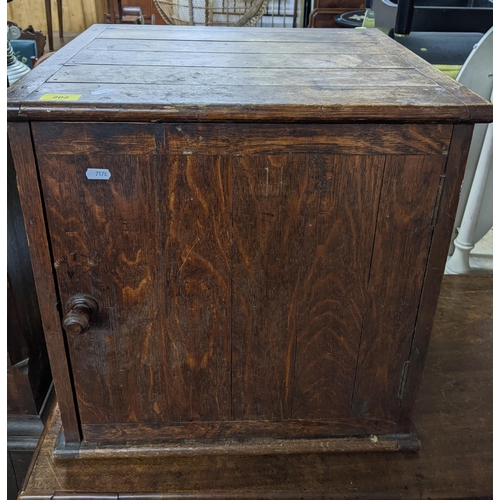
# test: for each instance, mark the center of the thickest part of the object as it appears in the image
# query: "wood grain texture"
(197, 295)
(98, 248)
(455, 402)
(87, 496)
(228, 139)
(257, 47)
(199, 64)
(29, 194)
(400, 254)
(94, 138)
(25, 338)
(17, 348)
(19, 394)
(199, 79)
(230, 34)
(454, 172)
(252, 76)
(23, 317)
(341, 213)
(122, 435)
(268, 224)
(259, 447)
(160, 271)
(174, 103)
(232, 282)
(476, 106)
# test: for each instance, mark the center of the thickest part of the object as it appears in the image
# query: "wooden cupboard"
(238, 235)
(326, 12)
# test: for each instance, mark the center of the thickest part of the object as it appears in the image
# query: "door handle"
(81, 311)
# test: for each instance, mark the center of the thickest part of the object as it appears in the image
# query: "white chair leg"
(464, 243)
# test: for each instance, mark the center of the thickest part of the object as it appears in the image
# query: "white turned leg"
(464, 243)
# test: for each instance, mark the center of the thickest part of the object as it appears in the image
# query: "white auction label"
(102, 174)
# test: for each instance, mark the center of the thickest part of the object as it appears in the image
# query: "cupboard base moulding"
(394, 442)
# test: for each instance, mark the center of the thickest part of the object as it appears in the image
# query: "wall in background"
(78, 15)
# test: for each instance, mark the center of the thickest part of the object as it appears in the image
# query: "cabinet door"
(245, 274)
(149, 240)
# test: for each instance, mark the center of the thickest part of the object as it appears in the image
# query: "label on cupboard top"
(60, 97)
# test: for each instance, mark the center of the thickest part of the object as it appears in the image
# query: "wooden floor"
(453, 421)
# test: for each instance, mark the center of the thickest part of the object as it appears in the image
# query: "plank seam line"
(368, 282)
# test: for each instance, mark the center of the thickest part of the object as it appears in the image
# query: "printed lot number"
(60, 97)
(98, 174)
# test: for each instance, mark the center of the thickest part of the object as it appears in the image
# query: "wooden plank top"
(454, 421)
(172, 73)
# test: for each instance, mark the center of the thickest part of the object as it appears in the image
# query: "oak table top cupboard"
(237, 235)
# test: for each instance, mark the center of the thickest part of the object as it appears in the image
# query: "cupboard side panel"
(341, 213)
(34, 220)
(399, 261)
(25, 337)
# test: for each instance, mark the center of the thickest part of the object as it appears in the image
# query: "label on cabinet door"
(102, 174)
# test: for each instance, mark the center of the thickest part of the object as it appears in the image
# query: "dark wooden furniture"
(148, 8)
(38, 37)
(131, 12)
(24, 417)
(28, 371)
(48, 15)
(130, 15)
(243, 237)
(326, 12)
(454, 416)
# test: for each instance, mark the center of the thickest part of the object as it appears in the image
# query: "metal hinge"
(437, 203)
(403, 381)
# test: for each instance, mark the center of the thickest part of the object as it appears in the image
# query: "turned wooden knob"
(82, 309)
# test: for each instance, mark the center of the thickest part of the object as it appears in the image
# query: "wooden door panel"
(159, 351)
(401, 250)
(195, 215)
(268, 223)
(104, 244)
(341, 214)
(303, 236)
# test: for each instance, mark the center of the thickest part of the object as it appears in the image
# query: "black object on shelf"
(450, 16)
(307, 12)
(404, 17)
